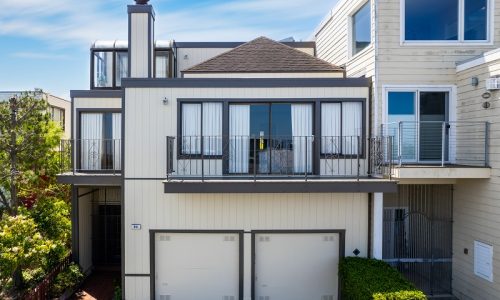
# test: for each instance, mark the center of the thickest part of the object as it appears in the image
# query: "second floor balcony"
(91, 160)
(438, 149)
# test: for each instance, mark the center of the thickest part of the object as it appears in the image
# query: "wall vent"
(164, 238)
(229, 238)
(264, 239)
(264, 298)
(328, 238)
(165, 297)
(493, 83)
(327, 297)
(483, 260)
(229, 298)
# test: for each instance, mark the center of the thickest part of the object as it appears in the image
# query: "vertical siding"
(477, 204)
(85, 229)
(139, 45)
(137, 288)
(147, 204)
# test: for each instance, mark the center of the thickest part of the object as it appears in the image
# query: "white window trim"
(452, 103)
(350, 29)
(490, 32)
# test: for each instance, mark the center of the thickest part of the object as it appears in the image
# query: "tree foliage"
(28, 148)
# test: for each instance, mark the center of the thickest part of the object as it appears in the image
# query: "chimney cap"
(141, 2)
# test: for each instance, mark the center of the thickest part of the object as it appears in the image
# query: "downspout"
(376, 105)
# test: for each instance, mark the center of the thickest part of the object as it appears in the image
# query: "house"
(429, 62)
(232, 170)
(59, 109)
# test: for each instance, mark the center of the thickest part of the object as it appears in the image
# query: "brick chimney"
(141, 19)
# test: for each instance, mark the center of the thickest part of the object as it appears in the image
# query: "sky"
(45, 43)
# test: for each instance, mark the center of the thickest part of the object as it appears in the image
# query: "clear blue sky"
(45, 43)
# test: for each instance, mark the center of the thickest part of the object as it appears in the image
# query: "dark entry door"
(418, 235)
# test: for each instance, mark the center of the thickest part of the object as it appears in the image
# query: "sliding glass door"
(270, 138)
(418, 120)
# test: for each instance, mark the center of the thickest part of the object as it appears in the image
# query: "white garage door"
(197, 266)
(296, 266)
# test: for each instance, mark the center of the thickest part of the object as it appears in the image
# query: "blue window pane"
(431, 20)
(361, 29)
(401, 103)
(475, 20)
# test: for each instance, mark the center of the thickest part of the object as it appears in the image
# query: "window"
(341, 128)
(446, 20)
(103, 69)
(57, 115)
(361, 29)
(201, 124)
(100, 136)
(109, 67)
(162, 66)
(121, 67)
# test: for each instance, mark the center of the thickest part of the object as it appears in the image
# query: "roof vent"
(493, 83)
(141, 2)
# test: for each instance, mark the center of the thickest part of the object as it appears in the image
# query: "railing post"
(254, 158)
(443, 143)
(487, 144)
(400, 134)
(305, 171)
(357, 155)
(202, 160)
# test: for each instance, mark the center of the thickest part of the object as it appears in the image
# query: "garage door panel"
(197, 266)
(296, 266)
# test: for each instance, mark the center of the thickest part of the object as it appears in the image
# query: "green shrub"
(68, 278)
(367, 279)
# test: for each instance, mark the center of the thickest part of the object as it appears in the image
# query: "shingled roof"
(263, 55)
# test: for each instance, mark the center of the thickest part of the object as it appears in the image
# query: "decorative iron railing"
(90, 155)
(261, 157)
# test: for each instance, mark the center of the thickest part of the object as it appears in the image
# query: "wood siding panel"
(477, 205)
(139, 46)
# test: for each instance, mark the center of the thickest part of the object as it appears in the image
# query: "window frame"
(114, 68)
(180, 154)
(351, 30)
(170, 69)
(461, 28)
(61, 122)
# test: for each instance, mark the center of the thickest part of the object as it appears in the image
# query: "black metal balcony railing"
(247, 157)
(90, 155)
(441, 143)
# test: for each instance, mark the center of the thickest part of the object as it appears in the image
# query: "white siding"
(333, 40)
(147, 204)
(85, 229)
(476, 203)
(66, 105)
(137, 288)
(139, 45)
(152, 121)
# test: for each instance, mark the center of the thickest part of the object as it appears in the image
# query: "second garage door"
(197, 266)
(296, 266)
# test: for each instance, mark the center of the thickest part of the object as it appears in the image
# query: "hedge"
(370, 279)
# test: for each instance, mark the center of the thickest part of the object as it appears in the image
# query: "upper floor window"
(446, 20)
(162, 64)
(57, 115)
(109, 67)
(361, 29)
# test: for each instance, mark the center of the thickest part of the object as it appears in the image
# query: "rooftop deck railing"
(439, 143)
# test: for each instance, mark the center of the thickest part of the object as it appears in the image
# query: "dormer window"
(448, 21)
(109, 67)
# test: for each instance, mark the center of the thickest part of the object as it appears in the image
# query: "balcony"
(274, 164)
(90, 161)
(438, 150)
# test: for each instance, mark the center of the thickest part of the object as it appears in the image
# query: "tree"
(28, 155)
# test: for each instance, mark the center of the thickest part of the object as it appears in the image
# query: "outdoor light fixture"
(165, 101)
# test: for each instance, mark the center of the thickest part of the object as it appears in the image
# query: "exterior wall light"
(165, 101)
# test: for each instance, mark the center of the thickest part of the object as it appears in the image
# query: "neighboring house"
(441, 228)
(232, 170)
(59, 109)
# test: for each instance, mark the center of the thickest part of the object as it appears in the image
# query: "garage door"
(296, 266)
(197, 266)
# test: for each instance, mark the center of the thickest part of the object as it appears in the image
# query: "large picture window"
(361, 29)
(446, 20)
